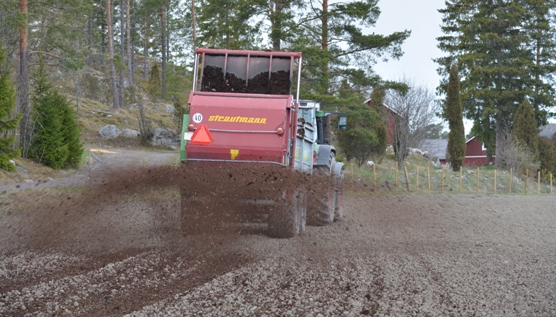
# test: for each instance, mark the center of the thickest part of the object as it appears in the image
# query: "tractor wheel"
(339, 201)
(321, 201)
(287, 221)
(302, 212)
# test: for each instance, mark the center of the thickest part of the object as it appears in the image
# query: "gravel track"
(393, 255)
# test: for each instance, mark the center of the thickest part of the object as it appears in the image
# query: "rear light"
(279, 131)
(314, 156)
(190, 127)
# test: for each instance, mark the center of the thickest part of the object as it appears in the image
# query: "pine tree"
(525, 127)
(7, 105)
(453, 112)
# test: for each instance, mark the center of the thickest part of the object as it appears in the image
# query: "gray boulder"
(163, 137)
(136, 106)
(109, 131)
(170, 109)
(129, 133)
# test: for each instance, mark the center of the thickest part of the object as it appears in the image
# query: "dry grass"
(444, 179)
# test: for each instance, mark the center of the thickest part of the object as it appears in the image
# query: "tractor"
(244, 120)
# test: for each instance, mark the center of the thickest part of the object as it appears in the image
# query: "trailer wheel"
(287, 221)
(321, 202)
(339, 201)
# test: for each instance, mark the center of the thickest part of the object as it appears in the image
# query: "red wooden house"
(391, 116)
(476, 153)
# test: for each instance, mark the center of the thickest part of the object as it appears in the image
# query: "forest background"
(147, 45)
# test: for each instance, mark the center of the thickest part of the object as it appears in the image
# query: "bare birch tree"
(23, 105)
(415, 116)
(111, 54)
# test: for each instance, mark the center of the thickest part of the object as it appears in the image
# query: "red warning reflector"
(202, 135)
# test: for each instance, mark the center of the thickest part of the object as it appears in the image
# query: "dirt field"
(115, 248)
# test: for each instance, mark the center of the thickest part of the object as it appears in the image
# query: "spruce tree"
(56, 134)
(7, 104)
(503, 50)
(525, 127)
(453, 112)
(71, 132)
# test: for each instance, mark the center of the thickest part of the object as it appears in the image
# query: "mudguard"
(337, 170)
(323, 156)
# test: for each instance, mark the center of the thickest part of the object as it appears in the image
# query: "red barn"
(391, 116)
(476, 153)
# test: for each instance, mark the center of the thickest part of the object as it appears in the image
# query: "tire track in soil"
(118, 287)
(30, 268)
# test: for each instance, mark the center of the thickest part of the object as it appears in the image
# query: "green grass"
(490, 179)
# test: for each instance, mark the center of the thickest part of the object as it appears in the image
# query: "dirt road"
(393, 255)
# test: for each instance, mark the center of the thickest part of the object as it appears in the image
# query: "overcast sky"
(424, 20)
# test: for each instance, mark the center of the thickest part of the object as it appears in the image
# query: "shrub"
(547, 156)
(518, 156)
(7, 104)
(55, 141)
(145, 127)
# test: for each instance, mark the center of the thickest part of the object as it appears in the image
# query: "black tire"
(321, 201)
(285, 221)
(339, 201)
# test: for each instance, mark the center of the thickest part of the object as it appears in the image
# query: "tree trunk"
(500, 138)
(122, 54)
(324, 44)
(164, 53)
(23, 105)
(129, 57)
(111, 54)
(145, 49)
(90, 40)
(276, 24)
(102, 35)
(194, 27)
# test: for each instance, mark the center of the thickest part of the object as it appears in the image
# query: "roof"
(437, 147)
(385, 106)
(548, 130)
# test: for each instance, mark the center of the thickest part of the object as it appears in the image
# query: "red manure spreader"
(258, 154)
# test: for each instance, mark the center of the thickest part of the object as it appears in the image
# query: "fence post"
(495, 181)
(550, 182)
(539, 182)
(460, 178)
(429, 177)
(417, 178)
(406, 178)
(478, 172)
(510, 190)
(442, 177)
